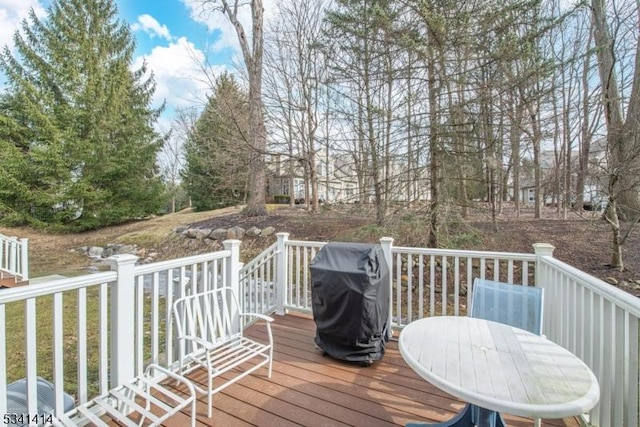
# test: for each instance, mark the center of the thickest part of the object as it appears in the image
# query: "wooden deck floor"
(308, 389)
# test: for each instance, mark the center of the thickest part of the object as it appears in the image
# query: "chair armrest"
(259, 316)
(206, 344)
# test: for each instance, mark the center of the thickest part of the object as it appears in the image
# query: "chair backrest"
(211, 316)
(514, 305)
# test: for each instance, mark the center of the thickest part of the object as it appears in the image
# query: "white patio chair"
(210, 337)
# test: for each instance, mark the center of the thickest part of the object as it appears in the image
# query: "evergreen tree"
(217, 151)
(81, 141)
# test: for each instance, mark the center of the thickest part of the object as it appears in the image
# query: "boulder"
(236, 233)
(202, 233)
(267, 231)
(180, 229)
(219, 234)
(253, 232)
(192, 232)
(95, 251)
(108, 251)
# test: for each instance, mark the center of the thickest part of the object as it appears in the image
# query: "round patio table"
(499, 368)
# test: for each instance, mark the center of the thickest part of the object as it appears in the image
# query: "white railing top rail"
(55, 286)
(463, 253)
(179, 262)
(618, 297)
(432, 251)
(3, 237)
(306, 244)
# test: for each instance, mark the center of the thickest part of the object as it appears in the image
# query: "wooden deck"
(308, 389)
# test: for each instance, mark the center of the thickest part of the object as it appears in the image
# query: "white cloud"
(12, 12)
(179, 71)
(151, 26)
(210, 15)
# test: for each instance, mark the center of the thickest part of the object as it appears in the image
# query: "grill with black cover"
(350, 301)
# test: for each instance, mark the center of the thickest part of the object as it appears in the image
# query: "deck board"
(309, 389)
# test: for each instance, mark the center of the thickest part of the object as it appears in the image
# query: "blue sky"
(183, 47)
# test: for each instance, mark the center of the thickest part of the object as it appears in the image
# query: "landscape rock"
(267, 231)
(219, 234)
(180, 229)
(236, 233)
(253, 232)
(611, 280)
(202, 233)
(95, 251)
(192, 232)
(108, 251)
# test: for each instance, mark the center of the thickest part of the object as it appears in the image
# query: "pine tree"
(217, 151)
(83, 125)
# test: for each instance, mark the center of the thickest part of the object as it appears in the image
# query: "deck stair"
(10, 281)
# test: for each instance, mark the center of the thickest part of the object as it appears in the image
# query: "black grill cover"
(350, 301)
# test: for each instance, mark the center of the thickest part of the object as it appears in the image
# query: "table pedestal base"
(471, 416)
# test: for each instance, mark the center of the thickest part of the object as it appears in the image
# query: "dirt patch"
(583, 242)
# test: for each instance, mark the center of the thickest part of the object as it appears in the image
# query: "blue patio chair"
(513, 305)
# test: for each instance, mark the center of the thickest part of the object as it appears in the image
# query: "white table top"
(499, 367)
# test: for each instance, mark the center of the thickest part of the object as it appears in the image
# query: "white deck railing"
(14, 257)
(258, 280)
(598, 323)
(93, 332)
(589, 317)
(431, 281)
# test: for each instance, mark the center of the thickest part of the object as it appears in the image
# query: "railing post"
(387, 243)
(281, 272)
(24, 258)
(233, 265)
(542, 281)
(13, 256)
(123, 319)
(233, 278)
(541, 250)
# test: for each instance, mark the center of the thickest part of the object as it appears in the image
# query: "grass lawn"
(16, 338)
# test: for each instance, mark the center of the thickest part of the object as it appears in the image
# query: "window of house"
(532, 195)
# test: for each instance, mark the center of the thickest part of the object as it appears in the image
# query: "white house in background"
(595, 182)
(338, 180)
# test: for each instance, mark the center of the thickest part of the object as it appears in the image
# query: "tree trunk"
(611, 215)
(621, 144)
(256, 200)
(434, 163)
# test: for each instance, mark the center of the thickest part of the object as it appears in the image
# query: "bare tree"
(623, 132)
(172, 158)
(252, 53)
